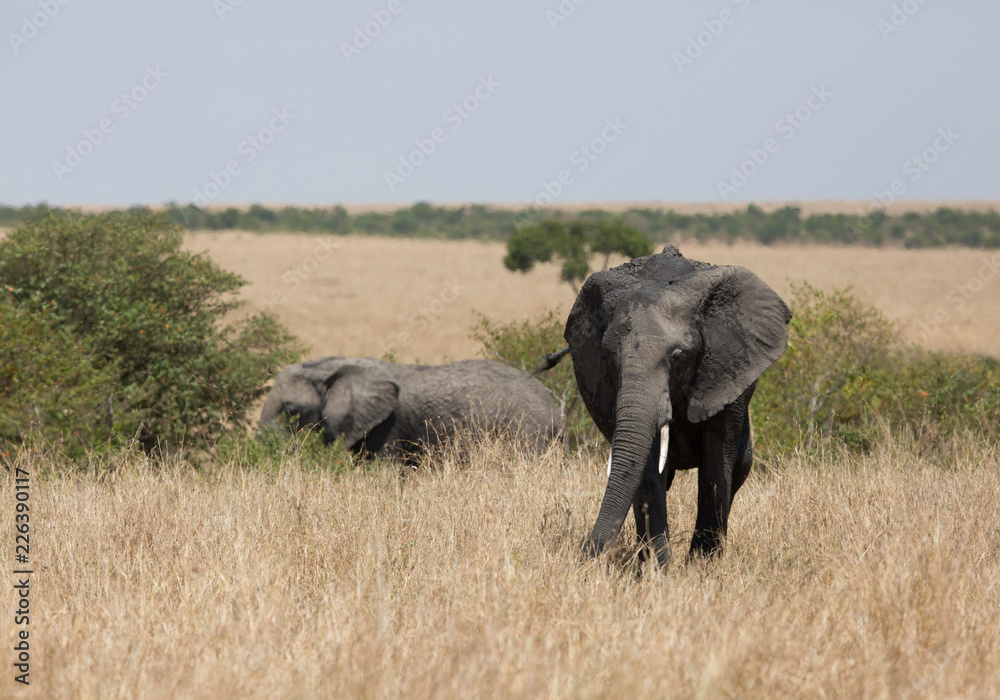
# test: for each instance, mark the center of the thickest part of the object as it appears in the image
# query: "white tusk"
(611, 452)
(664, 442)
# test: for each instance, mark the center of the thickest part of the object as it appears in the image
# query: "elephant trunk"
(636, 427)
(270, 416)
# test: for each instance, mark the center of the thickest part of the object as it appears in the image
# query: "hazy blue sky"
(665, 114)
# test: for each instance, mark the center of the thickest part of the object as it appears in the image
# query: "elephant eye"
(676, 354)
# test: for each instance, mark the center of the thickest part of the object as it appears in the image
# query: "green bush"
(151, 313)
(846, 378)
(833, 339)
(935, 397)
(272, 450)
(51, 385)
(522, 344)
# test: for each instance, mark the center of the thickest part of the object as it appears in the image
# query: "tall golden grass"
(844, 577)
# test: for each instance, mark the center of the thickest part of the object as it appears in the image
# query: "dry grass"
(864, 577)
(372, 295)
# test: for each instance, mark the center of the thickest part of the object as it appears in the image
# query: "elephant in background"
(396, 409)
(667, 352)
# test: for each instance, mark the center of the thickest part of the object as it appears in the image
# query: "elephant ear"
(744, 329)
(359, 397)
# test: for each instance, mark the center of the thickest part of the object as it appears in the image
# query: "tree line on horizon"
(944, 226)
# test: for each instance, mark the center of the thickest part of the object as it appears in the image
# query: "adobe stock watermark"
(580, 159)
(786, 126)
(225, 7)
(365, 33)
(122, 107)
(913, 168)
(960, 295)
(697, 44)
(454, 118)
(293, 277)
(900, 15)
(32, 24)
(425, 317)
(562, 12)
(250, 147)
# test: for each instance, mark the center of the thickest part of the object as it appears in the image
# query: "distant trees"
(865, 226)
(574, 243)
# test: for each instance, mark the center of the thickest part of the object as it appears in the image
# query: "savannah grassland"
(845, 576)
(365, 296)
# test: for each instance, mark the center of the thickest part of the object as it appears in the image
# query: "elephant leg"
(649, 506)
(744, 460)
(714, 501)
(721, 457)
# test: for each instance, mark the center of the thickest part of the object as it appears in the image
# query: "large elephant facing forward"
(667, 352)
(396, 409)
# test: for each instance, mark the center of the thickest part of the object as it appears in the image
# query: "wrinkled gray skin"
(667, 341)
(396, 409)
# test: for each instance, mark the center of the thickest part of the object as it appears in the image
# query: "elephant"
(384, 408)
(667, 353)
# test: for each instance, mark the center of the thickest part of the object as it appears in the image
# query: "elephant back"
(477, 396)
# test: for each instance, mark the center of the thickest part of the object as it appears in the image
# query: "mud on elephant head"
(667, 352)
(396, 409)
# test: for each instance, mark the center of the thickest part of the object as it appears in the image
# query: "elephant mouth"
(664, 444)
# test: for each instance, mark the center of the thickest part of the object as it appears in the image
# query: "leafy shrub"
(522, 344)
(151, 313)
(933, 396)
(832, 340)
(272, 450)
(846, 377)
(51, 385)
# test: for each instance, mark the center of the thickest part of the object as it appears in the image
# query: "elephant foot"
(705, 545)
(664, 557)
(659, 548)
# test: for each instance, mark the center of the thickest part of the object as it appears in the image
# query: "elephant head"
(663, 344)
(344, 397)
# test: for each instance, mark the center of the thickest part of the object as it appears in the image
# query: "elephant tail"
(550, 361)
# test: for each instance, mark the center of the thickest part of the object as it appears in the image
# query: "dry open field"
(359, 296)
(844, 578)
